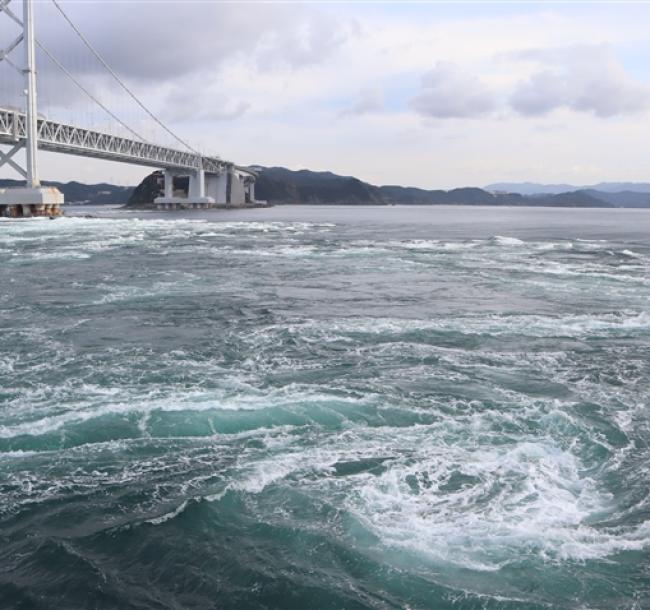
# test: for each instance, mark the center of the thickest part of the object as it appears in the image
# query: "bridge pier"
(216, 186)
(169, 183)
(232, 187)
(27, 202)
(32, 200)
(196, 197)
(197, 186)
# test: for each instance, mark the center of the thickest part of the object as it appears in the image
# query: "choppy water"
(326, 408)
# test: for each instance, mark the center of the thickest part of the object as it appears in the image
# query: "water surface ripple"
(326, 408)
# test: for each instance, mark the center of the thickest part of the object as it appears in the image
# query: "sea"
(325, 408)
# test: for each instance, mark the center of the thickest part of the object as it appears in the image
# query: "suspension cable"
(61, 67)
(119, 80)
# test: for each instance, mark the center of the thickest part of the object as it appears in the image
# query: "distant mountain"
(280, 185)
(406, 195)
(576, 199)
(530, 188)
(619, 187)
(623, 199)
(533, 188)
(76, 192)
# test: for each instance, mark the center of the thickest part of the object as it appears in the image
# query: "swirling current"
(326, 408)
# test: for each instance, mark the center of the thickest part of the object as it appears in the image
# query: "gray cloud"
(368, 101)
(449, 92)
(584, 79)
(154, 41)
(309, 39)
(174, 55)
(204, 105)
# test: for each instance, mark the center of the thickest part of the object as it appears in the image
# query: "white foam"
(507, 241)
(37, 423)
(522, 500)
(459, 245)
(547, 246)
(170, 515)
(573, 325)
(17, 454)
(631, 254)
(276, 251)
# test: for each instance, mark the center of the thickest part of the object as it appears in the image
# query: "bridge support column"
(33, 200)
(25, 202)
(237, 189)
(196, 197)
(216, 186)
(197, 186)
(169, 184)
(196, 191)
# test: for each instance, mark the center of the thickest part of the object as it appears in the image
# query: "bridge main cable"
(119, 80)
(67, 72)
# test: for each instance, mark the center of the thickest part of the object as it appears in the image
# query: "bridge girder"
(64, 138)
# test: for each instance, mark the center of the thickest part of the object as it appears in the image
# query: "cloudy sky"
(434, 95)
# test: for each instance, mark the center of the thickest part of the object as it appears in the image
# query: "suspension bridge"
(212, 181)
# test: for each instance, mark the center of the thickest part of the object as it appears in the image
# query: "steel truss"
(59, 137)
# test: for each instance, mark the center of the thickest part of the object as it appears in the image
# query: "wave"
(574, 325)
(507, 241)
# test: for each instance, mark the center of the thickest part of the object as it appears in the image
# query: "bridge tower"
(32, 199)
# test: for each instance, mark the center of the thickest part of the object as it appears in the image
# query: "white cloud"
(583, 79)
(449, 92)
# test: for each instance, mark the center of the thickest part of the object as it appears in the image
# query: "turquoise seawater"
(326, 408)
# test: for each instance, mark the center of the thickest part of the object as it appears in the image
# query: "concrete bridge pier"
(232, 187)
(196, 191)
(216, 186)
(169, 183)
(196, 196)
(27, 202)
(32, 200)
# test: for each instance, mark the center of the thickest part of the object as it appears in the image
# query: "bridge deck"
(59, 137)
